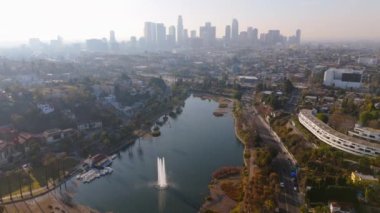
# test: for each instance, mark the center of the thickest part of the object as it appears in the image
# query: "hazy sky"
(80, 19)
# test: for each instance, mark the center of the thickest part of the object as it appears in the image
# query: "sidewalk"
(26, 194)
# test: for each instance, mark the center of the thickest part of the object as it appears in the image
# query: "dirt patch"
(224, 195)
(52, 203)
(342, 122)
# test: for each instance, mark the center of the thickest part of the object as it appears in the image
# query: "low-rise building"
(45, 108)
(337, 207)
(357, 177)
(90, 125)
(337, 139)
(343, 78)
(55, 135)
(365, 133)
(5, 152)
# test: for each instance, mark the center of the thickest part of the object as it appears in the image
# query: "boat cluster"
(92, 174)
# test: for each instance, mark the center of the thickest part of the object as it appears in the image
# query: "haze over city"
(208, 106)
(79, 20)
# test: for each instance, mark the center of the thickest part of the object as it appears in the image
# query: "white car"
(295, 188)
(282, 185)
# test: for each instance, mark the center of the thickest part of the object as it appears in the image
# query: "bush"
(232, 190)
(225, 172)
(323, 117)
(247, 155)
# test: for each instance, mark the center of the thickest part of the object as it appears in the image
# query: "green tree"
(237, 94)
(323, 117)
(365, 117)
(321, 209)
(288, 86)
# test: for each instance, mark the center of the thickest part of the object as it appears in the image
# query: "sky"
(82, 19)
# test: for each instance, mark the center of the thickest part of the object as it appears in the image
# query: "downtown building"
(207, 34)
(337, 139)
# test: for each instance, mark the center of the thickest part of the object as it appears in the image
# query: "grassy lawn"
(37, 178)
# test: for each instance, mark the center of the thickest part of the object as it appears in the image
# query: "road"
(282, 164)
(292, 103)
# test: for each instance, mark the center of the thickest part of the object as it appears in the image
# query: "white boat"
(109, 169)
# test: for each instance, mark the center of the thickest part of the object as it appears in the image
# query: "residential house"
(90, 125)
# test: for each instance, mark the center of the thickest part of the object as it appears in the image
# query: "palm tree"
(20, 185)
(46, 178)
(30, 186)
(9, 188)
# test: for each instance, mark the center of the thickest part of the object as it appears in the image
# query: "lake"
(194, 145)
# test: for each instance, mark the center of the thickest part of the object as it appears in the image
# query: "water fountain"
(161, 173)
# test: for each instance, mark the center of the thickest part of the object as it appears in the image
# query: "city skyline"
(79, 21)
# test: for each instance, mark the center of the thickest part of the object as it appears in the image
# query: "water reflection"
(161, 200)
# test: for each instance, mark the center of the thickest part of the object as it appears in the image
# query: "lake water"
(194, 145)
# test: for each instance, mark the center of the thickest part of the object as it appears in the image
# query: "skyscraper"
(161, 34)
(185, 35)
(235, 30)
(208, 34)
(150, 33)
(273, 37)
(255, 34)
(298, 36)
(180, 30)
(193, 34)
(171, 36)
(252, 34)
(227, 34)
(113, 45)
(112, 37)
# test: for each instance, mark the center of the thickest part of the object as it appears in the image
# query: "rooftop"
(368, 129)
(330, 130)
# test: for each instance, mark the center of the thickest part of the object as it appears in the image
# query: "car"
(282, 185)
(295, 188)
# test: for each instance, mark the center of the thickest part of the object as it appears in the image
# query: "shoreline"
(214, 185)
(74, 171)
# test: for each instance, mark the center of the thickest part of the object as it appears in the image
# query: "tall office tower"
(193, 34)
(227, 34)
(161, 34)
(208, 34)
(112, 41)
(250, 34)
(150, 33)
(172, 32)
(171, 36)
(235, 30)
(273, 37)
(133, 42)
(179, 30)
(56, 43)
(112, 37)
(255, 34)
(298, 36)
(185, 35)
(96, 45)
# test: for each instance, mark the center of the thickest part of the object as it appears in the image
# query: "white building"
(343, 78)
(90, 125)
(366, 133)
(55, 135)
(336, 139)
(367, 61)
(45, 108)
